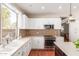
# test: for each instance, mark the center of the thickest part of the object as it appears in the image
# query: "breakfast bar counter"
(68, 48)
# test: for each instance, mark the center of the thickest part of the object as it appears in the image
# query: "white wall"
(38, 23)
(74, 30)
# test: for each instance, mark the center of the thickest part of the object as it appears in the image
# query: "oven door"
(49, 43)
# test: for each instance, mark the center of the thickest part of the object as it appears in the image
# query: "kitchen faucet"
(5, 40)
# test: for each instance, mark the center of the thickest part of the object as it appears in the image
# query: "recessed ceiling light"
(42, 7)
(74, 7)
(60, 7)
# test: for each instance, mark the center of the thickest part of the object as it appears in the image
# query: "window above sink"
(9, 17)
(9, 23)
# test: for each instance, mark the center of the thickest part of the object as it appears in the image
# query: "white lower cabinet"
(24, 50)
(38, 42)
(28, 48)
(33, 43)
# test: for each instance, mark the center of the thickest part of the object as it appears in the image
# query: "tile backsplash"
(38, 32)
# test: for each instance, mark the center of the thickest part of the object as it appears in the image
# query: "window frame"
(1, 29)
(12, 11)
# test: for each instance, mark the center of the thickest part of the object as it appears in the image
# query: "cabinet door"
(38, 42)
(35, 24)
(27, 48)
(27, 24)
(23, 22)
(30, 45)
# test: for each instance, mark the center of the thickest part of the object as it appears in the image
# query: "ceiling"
(54, 9)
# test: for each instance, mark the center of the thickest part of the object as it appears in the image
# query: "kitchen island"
(66, 49)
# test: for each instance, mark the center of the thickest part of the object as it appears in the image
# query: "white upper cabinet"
(35, 24)
(38, 23)
(23, 21)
